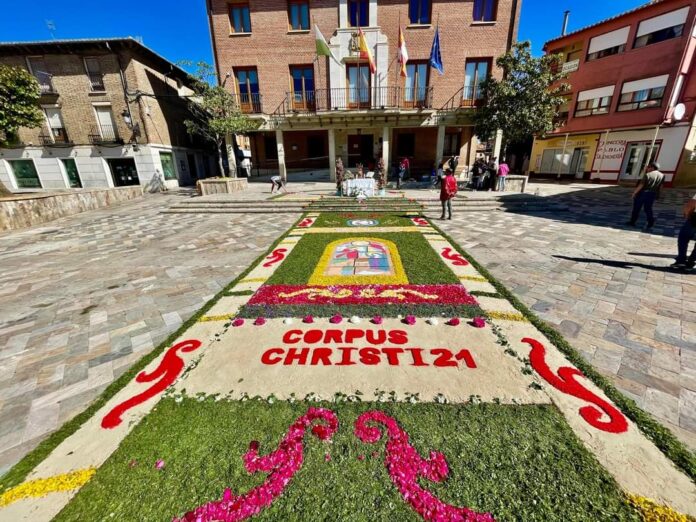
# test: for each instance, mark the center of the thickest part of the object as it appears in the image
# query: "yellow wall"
(574, 141)
(686, 175)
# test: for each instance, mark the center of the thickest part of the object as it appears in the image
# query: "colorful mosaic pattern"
(362, 222)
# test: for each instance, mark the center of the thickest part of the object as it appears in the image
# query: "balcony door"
(475, 74)
(359, 81)
(302, 79)
(105, 123)
(416, 84)
(248, 89)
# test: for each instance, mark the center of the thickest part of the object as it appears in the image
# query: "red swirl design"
(566, 381)
(168, 370)
(281, 465)
(406, 467)
(276, 257)
(456, 258)
(306, 223)
(420, 222)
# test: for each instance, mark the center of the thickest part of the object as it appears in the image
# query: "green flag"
(323, 47)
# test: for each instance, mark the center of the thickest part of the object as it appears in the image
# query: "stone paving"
(86, 296)
(607, 288)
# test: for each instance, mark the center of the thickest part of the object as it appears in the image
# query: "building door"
(168, 169)
(72, 173)
(637, 159)
(578, 161)
(193, 168)
(123, 172)
(358, 78)
(360, 149)
(416, 84)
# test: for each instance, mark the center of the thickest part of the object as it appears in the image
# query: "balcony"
(357, 98)
(58, 136)
(249, 103)
(104, 134)
(96, 82)
(472, 97)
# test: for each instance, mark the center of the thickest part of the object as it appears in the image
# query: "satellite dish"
(679, 111)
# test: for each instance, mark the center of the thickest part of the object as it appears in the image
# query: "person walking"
(686, 234)
(447, 191)
(646, 193)
(503, 171)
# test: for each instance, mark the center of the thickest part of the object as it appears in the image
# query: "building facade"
(632, 98)
(114, 113)
(314, 109)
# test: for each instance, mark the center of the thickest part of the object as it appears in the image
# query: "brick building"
(314, 109)
(632, 98)
(114, 116)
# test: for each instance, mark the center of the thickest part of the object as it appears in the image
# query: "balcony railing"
(57, 136)
(359, 98)
(104, 134)
(96, 82)
(249, 103)
(471, 97)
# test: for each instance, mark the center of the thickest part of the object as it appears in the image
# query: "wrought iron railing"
(359, 98)
(57, 136)
(104, 134)
(249, 103)
(96, 82)
(45, 83)
(465, 98)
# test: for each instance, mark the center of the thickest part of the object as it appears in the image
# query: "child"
(503, 171)
(447, 191)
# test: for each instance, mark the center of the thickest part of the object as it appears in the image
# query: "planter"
(210, 186)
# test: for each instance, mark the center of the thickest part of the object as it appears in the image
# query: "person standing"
(686, 234)
(646, 193)
(246, 167)
(447, 191)
(493, 173)
(503, 171)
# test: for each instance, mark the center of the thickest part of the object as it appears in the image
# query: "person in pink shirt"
(503, 171)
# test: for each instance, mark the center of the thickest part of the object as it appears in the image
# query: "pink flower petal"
(159, 464)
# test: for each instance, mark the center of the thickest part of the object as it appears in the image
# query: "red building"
(632, 97)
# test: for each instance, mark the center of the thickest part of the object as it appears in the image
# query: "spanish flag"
(365, 52)
(403, 54)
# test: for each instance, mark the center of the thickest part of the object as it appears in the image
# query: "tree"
(19, 104)
(216, 113)
(525, 102)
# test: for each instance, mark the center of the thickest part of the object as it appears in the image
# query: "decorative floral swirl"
(406, 466)
(306, 223)
(567, 383)
(457, 259)
(281, 465)
(276, 256)
(168, 370)
(313, 293)
(420, 222)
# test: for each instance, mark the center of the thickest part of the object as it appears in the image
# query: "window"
(359, 81)
(55, 125)
(298, 14)
(553, 159)
(416, 84)
(406, 145)
(476, 72)
(240, 19)
(485, 10)
(247, 80)
(419, 11)
(636, 159)
(168, 169)
(94, 73)
(359, 13)
(37, 66)
(643, 94)
(71, 171)
(302, 79)
(660, 28)
(106, 128)
(608, 44)
(593, 106)
(25, 173)
(452, 144)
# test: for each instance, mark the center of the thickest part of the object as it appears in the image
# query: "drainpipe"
(560, 163)
(601, 159)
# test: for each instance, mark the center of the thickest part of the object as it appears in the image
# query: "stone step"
(299, 210)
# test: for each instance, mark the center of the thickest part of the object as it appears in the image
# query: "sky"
(178, 29)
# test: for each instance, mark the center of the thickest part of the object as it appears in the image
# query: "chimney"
(566, 16)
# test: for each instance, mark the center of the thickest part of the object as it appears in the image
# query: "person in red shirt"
(448, 190)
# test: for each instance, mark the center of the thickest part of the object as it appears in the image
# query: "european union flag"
(435, 58)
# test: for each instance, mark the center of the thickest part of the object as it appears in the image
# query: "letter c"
(290, 338)
(267, 358)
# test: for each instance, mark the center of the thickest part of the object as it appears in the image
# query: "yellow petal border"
(41, 487)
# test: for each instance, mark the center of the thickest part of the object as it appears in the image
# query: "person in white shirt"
(277, 183)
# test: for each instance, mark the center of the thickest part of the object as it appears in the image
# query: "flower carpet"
(364, 368)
